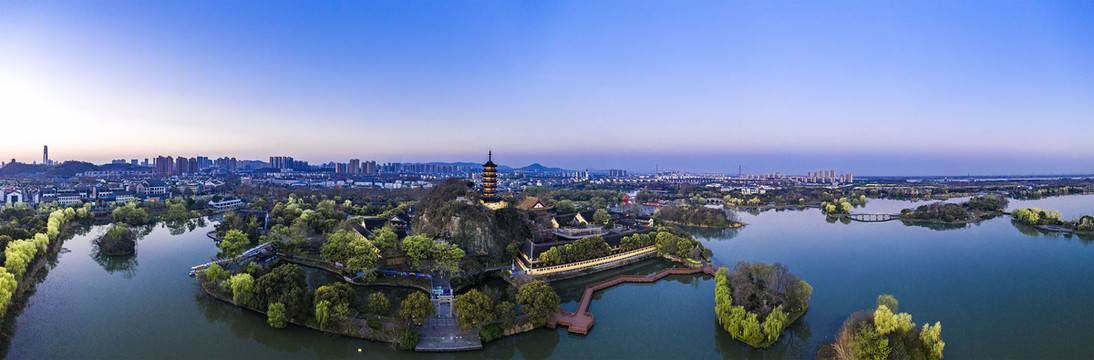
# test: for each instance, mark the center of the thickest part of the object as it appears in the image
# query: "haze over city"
(923, 88)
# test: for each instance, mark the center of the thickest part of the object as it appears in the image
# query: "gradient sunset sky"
(872, 87)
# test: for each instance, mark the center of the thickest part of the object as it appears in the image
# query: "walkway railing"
(581, 321)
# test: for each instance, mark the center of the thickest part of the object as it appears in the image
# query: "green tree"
(233, 243)
(932, 338)
(565, 207)
(416, 308)
(18, 255)
(473, 310)
(774, 324)
(214, 273)
(131, 214)
(889, 301)
(8, 285)
(418, 248)
(385, 238)
(447, 256)
(276, 315)
(538, 300)
(868, 344)
(601, 217)
(322, 313)
(884, 321)
(336, 293)
(378, 303)
(505, 312)
(243, 288)
(287, 285)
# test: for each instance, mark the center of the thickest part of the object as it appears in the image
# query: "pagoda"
(490, 197)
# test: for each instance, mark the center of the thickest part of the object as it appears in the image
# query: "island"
(881, 333)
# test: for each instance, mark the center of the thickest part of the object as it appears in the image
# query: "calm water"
(999, 293)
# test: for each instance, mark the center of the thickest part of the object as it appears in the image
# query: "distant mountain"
(537, 167)
(65, 169)
(540, 169)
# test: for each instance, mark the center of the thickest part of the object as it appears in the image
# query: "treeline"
(583, 249)
(698, 216)
(950, 212)
(283, 294)
(842, 205)
(20, 253)
(493, 314)
(1039, 193)
(1035, 216)
(884, 334)
(757, 301)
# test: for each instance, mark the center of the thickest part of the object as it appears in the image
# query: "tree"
(565, 207)
(214, 273)
(322, 313)
(287, 285)
(447, 256)
(774, 323)
(18, 255)
(932, 338)
(473, 310)
(336, 293)
(601, 217)
(378, 303)
(418, 248)
(276, 315)
(538, 300)
(868, 344)
(243, 288)
(131, 214)
(8, 285)
(233, 243)
(505, 313)
(889, 301)
(385, 238)
(416, 308)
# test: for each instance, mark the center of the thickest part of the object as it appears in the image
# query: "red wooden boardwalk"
(581, 320)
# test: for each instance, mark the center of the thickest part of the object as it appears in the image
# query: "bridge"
(881, 217)
(580, 321)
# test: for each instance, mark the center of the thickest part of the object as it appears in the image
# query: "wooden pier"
(580, 321)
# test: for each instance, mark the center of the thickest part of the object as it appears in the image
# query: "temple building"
(490, 197)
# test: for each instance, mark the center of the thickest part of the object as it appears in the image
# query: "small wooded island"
(976, 209)
(117, 241)
(756, 302)
(882, 334)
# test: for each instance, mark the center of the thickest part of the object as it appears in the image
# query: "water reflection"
(1033, 231)
(124, 264)
(544, 345)
(710, 233)
(792, 344)
(935, 226)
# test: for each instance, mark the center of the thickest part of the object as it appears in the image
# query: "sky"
(869, 87)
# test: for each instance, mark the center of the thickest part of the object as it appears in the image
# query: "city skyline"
(878, 89)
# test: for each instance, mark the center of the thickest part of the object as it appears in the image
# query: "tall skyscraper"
(45, 154)
(354, 166)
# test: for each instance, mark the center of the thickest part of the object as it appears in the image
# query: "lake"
(998, 291)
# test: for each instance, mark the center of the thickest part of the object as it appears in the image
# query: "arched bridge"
(880, 217)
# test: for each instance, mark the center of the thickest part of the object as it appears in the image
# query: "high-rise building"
(164, 165)
(369, 168)
(354, 166)
(181, 165)
(45, 154)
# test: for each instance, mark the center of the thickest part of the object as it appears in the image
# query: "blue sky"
(877, 88)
